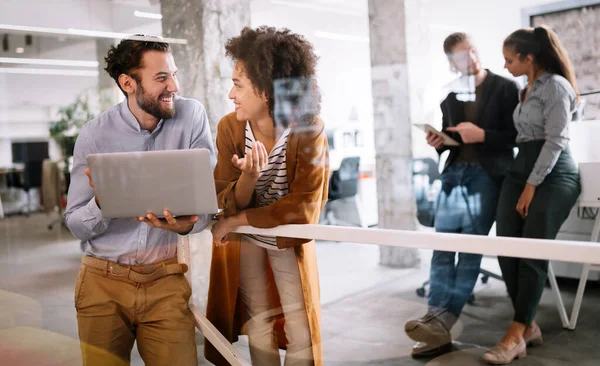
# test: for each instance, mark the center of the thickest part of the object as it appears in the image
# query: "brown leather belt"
(140, 274)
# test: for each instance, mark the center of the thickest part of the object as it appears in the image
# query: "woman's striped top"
(272, 183)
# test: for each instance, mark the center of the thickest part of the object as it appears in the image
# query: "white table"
(595, 237)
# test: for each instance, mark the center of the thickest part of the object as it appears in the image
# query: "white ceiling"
(344, 7)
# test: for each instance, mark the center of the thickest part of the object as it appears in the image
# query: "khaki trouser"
(255, 292)
(113, 311)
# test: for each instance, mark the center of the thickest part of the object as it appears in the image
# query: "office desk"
(4, 172)
(12, 169)
(571, 322)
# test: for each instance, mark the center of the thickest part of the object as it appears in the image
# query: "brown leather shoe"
(429, 329)
(533, 336)
(502, 355)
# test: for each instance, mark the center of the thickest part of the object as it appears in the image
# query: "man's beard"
(151, 105)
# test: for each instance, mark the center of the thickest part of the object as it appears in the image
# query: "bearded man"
(130, 286)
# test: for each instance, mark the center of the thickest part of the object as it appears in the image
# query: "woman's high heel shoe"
(502, 355)
(535, 338)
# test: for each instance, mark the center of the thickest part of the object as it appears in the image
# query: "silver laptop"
(135, 183)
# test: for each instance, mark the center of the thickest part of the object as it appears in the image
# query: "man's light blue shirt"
(126, 240)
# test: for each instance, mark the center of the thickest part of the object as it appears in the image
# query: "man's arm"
(445, 123)
(83, 216)
(558, 114)
(202, 138)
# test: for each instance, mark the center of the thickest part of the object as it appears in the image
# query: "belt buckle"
(115, 270)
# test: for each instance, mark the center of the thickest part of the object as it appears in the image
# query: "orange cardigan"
(308, 177)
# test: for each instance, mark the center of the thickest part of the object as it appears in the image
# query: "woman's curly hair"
(268, 54)
(126, 57)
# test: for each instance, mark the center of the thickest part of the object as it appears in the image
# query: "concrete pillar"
(109, 93)
(205, 75)
(392, 125)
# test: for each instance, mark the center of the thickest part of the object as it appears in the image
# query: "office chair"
(343, 183)
(426, 210)
(425, 173)
(30, 178)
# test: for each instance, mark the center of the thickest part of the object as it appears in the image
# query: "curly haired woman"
(269, 172)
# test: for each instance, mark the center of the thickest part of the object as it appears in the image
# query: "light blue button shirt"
(126, 240)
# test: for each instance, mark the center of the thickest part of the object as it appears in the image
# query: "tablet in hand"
(425, 127)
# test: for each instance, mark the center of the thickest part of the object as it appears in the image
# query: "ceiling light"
(445, 27)
(341, 37)
(19, 50)
(47, 62)
(143, 14)
(17, 70)
(355, 13)
(84, 33)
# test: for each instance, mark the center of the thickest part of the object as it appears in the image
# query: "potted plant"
(66, 128)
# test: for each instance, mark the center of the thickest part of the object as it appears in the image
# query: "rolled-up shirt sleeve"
(83, 216)
(557, 112)
(202, 138)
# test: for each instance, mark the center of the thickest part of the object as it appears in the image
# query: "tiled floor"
(364, 307)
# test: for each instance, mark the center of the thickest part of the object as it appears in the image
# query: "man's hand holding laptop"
(180, 224)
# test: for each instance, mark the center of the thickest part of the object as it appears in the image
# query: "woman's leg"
(297, 331)
(509, 223)
(255, 292)
(549, 209)
(532, 278)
